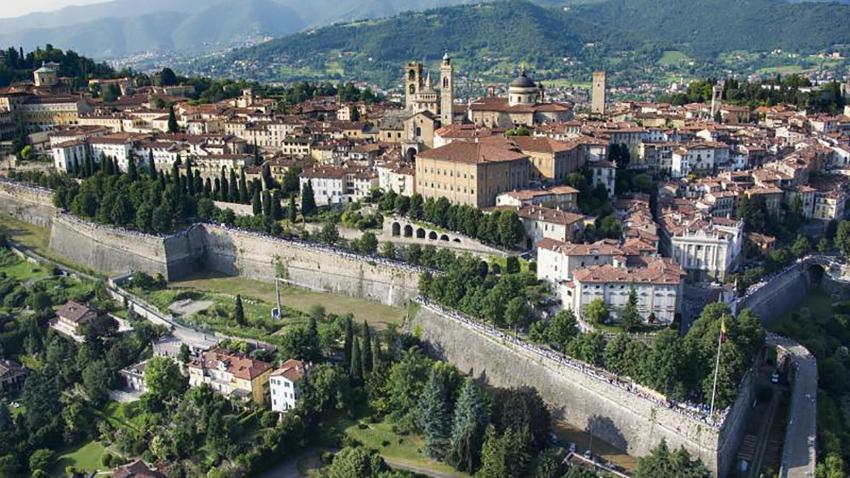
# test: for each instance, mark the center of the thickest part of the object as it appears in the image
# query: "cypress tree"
(108, 167)
(276, 211)
(468, 427)
(291, 210)
(198, 186)
(433, 415)
(368, 359)
(257, 159)
(256, 205)
(172, 120)
(116, 169)
(355, 371)
(267, 204)
(243, 189)
(175, 175)
(239, 314)
(233, 187)
(208, 188)
(151, 164)
(267, 176)
(224, 187)
(190, 178)
(131, 167)
(216, 190)
(349, 339)
(308, 200)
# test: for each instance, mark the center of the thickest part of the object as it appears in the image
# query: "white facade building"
(285, 385)
(708, 250)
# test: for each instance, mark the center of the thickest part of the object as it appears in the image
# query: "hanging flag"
(723, 329)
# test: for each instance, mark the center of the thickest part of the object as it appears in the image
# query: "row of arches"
(420, 233)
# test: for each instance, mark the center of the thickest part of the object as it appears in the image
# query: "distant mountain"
(502, 34)
(120, 27)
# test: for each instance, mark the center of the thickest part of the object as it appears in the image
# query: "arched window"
(411, 75)
(412, 89)
(445, 82)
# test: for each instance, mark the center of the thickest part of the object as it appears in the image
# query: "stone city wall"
(625, 419)
(107, 250)
(257, 257)
(29, 204)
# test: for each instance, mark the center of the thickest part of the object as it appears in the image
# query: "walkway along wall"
(625, 419)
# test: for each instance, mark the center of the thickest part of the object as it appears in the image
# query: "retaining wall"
(29, 204)
(256, 257)
(621, 418)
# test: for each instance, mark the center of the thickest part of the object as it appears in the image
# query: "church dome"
(522, 81)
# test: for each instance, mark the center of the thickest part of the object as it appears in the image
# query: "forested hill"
(512, 31)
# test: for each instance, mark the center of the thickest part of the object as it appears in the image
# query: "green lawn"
(83, 458)
(782, 70)
(36, 238)
(123, 415)
(673, 57)
(392, 446)
(376, 314)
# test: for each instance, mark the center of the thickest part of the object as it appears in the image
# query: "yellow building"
(551, 160)
(231, 375)
(471, 173)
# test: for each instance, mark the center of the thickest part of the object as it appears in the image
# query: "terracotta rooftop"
(292, 370)
(238, 365)
(465, 152)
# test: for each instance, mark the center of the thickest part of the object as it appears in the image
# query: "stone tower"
(716, 98)
(412, 83)
(598, 96)
(446, 90)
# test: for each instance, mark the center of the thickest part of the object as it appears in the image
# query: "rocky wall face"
(257, 257)
(617, 416)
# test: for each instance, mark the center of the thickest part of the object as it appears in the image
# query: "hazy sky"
(14, 8)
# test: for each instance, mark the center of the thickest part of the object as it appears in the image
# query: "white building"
(699, 158)
(658, 284)
(285, 384)
(70, 155)
(708, 249)
(333, 185)
(396, 177)
(557, 260)
(547, 223)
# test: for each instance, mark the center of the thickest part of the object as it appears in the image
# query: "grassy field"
(782, 70)
(377, 315)
(83, 458)
(673, 57)
(397, 448)
(36, 238)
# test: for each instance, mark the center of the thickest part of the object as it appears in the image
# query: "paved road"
(799, 454)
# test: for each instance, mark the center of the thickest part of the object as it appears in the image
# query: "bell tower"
(412, 84)
(446, 90)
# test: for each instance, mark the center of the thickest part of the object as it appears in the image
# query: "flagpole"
(716, 369)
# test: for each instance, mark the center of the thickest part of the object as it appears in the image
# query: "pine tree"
(308, 200)
(629, 316)
(239, 314)
(433, 416)
(256, 205)
(355, 371)
(468, 426)
(367, 350)
(349, 339)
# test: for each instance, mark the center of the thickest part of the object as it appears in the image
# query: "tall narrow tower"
(446, 90)
(598, 95)
(716, 98)
(412, 83)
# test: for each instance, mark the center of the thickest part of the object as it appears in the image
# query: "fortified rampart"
(27, 203)
(116, 251)
(633, 419)
(331, 270)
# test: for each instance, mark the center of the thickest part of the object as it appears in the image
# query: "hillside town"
(635, 219)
